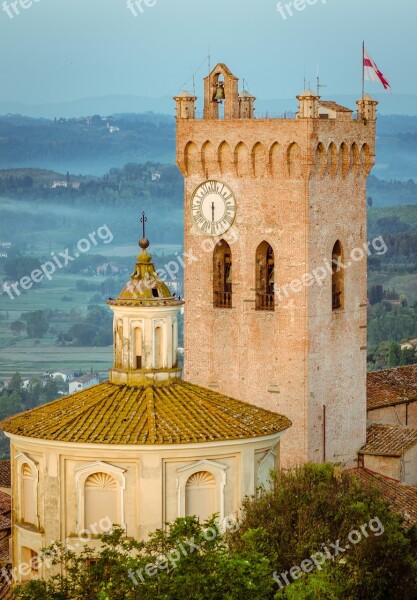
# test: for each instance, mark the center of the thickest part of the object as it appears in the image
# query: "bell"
(219, 95)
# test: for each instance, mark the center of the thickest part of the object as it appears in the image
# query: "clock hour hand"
(212, 212)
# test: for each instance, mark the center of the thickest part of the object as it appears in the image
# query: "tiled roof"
(402, 498)
(389, 440)
(5, 511)
(5, 587)
(334, 106)
(392, 386)
(5, 474)
(174, 413)
(4, 551)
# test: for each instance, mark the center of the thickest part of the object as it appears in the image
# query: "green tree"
(408, 356)
(17, 327)
(36, 324)
(394, 356)
(194, 563)
(313, 507)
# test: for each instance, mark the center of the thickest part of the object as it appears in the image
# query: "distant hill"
(94, 144)
(390, 104)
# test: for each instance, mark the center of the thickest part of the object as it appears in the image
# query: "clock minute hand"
(212, 212)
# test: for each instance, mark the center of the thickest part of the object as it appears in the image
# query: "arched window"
(337, 277)
(138, 348)
(118, 340)
(100, 500)
(100, 497)
(174, 343)
(222, 276)
(28, 495)
(265, 275)
(29, 558)
(159, 362)
(200, 495)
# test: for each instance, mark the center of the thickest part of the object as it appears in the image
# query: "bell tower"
(145, 326)
(273, 209)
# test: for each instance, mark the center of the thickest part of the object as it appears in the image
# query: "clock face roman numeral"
(213, 207)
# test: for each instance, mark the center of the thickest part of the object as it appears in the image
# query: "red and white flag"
(372, 73)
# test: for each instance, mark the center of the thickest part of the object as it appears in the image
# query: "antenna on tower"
(305, 87)
(319, 85)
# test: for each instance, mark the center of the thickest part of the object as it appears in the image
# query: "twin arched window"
(222, 276)
(265, 276)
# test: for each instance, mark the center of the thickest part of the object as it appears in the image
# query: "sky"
(60, 50)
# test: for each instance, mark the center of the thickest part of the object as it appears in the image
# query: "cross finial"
(143, 220)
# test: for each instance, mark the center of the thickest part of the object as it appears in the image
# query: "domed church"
(140, 449)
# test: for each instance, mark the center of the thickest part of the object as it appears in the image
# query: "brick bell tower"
(272, 207)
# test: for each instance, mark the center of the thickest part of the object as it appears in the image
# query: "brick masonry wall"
(302, 356)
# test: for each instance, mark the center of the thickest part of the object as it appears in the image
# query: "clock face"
(213, 207)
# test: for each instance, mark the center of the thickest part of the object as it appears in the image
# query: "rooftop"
(331, 105)
(389, 440)
(401, 498)
(5, 511)
(171, 413)
(392, 386)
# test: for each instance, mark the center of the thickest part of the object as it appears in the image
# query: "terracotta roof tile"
(5, 511)
(334, 106)
(392, 386)
(4, 551)
(5, 587)
(389, 440)
(174, 413)
(401, 498)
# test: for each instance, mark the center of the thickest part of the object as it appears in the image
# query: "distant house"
(410, 345)
(111, 268)
(82, 383)
(6, 245)
(112, 128)
(59, 184)
(3, 254)
(66, 375)
(156, 176)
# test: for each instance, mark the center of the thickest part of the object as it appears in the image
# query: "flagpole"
(363, 70)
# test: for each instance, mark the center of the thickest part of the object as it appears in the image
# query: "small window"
(337, 277)
(265, 277)
(222, 276)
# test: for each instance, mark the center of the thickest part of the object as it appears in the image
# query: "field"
(29, 357)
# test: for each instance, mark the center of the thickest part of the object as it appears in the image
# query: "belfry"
(259, 324)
